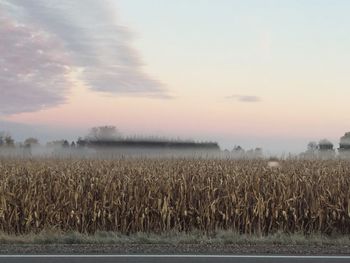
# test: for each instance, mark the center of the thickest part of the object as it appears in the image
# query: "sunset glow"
(258, 73)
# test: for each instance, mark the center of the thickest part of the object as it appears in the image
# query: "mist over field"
(107, 142)
(272, 146)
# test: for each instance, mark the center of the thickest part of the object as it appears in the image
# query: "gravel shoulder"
(224, 242)
(173, 249)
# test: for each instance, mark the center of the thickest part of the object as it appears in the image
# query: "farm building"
(325, 145)
(326, 149)
(345, 142)
(344, 145)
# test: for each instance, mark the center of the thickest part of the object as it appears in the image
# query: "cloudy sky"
(268, 73)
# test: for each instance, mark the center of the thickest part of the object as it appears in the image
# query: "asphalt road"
(170, 259)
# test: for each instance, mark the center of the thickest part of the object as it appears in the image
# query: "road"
(170, 259)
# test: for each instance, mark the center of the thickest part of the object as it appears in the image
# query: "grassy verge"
(222, 237)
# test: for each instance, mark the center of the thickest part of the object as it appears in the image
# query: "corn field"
(128, 196)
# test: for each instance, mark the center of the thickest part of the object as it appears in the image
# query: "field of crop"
(143, 195)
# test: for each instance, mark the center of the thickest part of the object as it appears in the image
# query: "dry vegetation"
(129, 196)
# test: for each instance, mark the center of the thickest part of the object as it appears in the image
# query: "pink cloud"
(40, 41)
(33, 68)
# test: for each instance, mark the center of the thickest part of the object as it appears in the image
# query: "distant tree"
(238, 149)
(3, 136)
(312, 147)
(103, 133)
(9, 141)
(73, 145)
(81, 142)
(31, 141)
(6, 139)
(65, 144)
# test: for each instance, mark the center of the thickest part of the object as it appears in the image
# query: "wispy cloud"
(244, 98)
(42, 41)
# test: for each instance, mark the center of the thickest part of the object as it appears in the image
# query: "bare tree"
(103, 133)
(312, 147)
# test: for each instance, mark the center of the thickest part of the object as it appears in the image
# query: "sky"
(271, 74)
